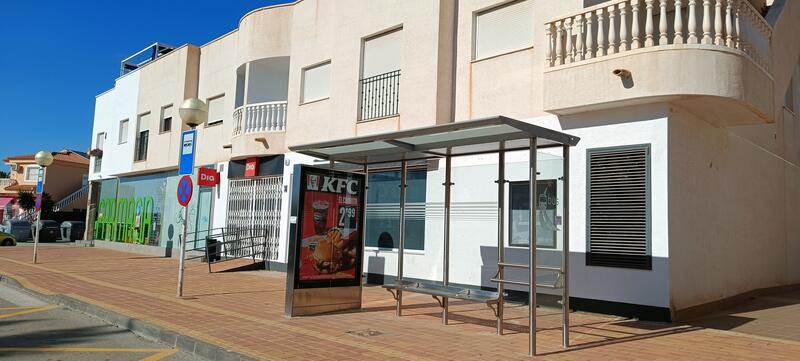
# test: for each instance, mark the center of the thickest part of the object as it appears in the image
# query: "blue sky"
(55, 56)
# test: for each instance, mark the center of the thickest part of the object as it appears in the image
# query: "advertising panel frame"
(308, 297)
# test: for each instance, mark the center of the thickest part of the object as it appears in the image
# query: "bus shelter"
(482, 136)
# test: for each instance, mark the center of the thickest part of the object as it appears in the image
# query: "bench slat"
(445, 291)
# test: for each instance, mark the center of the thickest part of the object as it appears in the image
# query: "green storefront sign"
(127, 220)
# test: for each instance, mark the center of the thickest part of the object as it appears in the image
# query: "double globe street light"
(43, 159)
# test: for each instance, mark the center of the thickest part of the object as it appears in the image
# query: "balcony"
(5, 182)
(260, 117)
(690, 52)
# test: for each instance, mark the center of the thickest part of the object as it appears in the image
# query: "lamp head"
(43, 158)
(193, 112)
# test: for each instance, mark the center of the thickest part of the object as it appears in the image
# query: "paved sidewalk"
(244, 312)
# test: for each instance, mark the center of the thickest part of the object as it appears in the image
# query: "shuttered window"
(382, 53)
(216, 110)
(504, 29)
(316, 82)
(619, 207)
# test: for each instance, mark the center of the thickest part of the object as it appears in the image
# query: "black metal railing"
(380, 95)
(221, 244)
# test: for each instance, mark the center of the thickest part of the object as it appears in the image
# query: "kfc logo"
(331, 184)
(313, 182)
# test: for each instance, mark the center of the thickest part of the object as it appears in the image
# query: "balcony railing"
(260, 117)
(380, 95)
(619, 26)
(5, 182)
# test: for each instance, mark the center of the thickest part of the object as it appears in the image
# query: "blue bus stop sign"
(188, 140)
(40, 181)
(185, 190)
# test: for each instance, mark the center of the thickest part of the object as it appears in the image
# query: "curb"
(143, 329)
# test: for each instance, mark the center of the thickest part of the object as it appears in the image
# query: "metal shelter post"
(532, 268)
(501, 183)
(565, 254)
(446, 261)
(401, 248)
(364, 224)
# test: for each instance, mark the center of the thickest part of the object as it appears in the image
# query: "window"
(316, 82)
(216, 106)
(503, 29)
(142, 137)
(380, 78)
(619, 207)
(98, 144)
(31, 173)
(546, 215)
(123, 131)
(166, 119)
(383, 210)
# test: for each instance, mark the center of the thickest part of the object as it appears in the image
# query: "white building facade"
(683, 185)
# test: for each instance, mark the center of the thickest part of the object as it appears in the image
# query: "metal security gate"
(254, 213)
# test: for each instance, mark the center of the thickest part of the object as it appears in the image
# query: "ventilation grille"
(618, 208)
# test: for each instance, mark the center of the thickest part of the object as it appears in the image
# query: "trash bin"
(72, 230)
(213, 253)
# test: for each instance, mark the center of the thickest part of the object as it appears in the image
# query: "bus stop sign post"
(186, 167)
(184, 196)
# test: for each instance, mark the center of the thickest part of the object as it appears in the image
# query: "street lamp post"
(43, 159)
(193, 112)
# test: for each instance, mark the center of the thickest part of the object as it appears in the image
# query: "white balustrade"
(260, 117)
(619, 26)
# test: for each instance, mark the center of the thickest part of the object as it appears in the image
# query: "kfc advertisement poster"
(330, 228)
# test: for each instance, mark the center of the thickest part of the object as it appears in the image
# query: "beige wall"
(63, 178)
(509, 84)
(327, 30)
(217, 77)
(731, 205)
(168, 80)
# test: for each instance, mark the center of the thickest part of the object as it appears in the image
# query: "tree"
(26, 200)
(3, 174)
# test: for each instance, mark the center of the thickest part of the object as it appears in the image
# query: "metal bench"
(436, 291)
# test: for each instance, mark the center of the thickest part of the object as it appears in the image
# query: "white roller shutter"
(382, 53)
(504, 29)
(317, 82)
(216, 107)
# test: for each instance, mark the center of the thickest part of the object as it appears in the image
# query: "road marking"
(26, 310)
(159, 353)
(276, 324)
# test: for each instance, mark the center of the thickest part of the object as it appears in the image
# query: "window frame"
(510, 221)
(423, 168)
(127, 123)
(209, 123)
(161, 119)
(486, 10)
(647, 147)
(361, 76)
(35, 175)
(303, 81)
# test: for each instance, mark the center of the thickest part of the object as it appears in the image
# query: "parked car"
(7, 240)
(51, 231)
(21, 230)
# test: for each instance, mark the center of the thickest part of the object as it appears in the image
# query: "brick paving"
(243, 311)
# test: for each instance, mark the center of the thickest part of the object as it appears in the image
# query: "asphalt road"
(33, 330)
